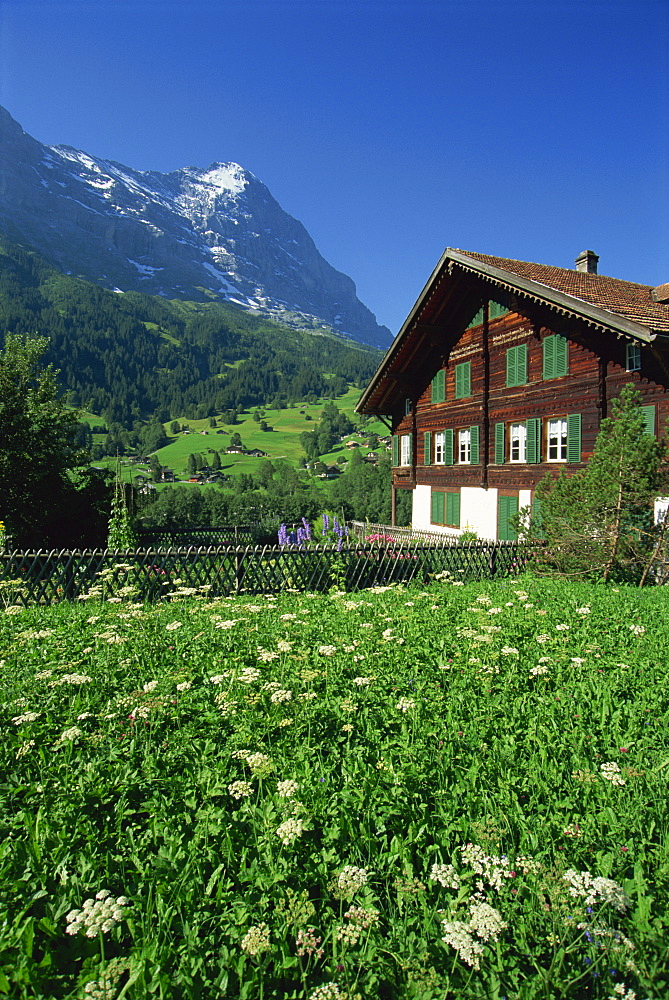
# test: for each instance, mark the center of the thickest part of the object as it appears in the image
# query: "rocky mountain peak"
(197, 233)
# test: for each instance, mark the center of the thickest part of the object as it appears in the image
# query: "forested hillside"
(129, 357)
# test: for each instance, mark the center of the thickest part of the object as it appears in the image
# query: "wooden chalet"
(502, 372)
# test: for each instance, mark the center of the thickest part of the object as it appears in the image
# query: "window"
(407, 407)
(439, 448)
(563, 438)
(405, 449)
(445, 508)
(463, 380)
(556, 356)
(464, 447)
(557, 440)
(516, 365)
(633, 357)
(518, 438)
(438, 387)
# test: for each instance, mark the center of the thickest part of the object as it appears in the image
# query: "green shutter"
(511, 367)
(453, 509)
(516, 365)
(427, 448)
(448, 447)
(474, 440)
(396, 450)
(556, 356)
(439, 387)
(536, 519)
(500, 449)
(574, 437)
(533, 447)
(437, 508)
(458, 382)
(561, 355)
(521, 363)
(507, 507)
(549, 357)
(463, 380)
(649, 417)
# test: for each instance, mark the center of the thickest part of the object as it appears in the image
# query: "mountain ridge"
(197, 233)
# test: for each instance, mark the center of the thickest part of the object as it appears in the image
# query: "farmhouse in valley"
(502, 372)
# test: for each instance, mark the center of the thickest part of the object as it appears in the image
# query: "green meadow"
(281, 442)
(451, 792)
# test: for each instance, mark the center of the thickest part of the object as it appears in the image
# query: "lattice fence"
(150, 574)
(159, 538)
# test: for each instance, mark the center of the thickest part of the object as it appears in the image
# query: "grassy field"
(282, 442)
(456, 792)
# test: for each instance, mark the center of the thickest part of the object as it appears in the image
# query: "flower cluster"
(105, 988)
(287, 788)
(307, 943)
(349, 880)
(289, 831)
(595, 890)
(256, 940)
(300, 536)
(611, 772)
(445, 875)
(97, 915)
(485, 924)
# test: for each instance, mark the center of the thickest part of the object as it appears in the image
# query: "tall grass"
(457, 792)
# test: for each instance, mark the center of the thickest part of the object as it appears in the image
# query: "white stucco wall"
(478, 510)
(421, 512)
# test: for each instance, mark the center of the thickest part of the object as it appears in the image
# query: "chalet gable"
(467, 288)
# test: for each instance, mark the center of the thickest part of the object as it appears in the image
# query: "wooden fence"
(238, 534)
(150, 574)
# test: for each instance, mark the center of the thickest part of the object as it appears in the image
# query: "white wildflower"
(445, 875)
(289, 831)
(287, 788)
(281, 695)
(184, 686)
(256, 940)
(327, 650)
(611, 772)
(173, 626)
(240, 789)
(405, 704)
(18, 720)
(349, 880)
(97, 915)
(249, 675)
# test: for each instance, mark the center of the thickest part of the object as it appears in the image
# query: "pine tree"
(599, 522)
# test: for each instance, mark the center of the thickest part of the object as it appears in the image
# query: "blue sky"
(390, 129)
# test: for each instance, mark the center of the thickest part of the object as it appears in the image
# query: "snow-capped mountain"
(196, 233)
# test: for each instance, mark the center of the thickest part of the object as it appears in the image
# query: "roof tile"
(626, 298)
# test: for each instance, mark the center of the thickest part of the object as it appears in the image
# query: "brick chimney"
(587, 262)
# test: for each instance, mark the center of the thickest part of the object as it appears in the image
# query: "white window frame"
(518, 443)
(405, 449)
(465, 446)
(556, 439)
(632, 357)
(440, 448)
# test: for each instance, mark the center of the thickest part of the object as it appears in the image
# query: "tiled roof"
(625, 298)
